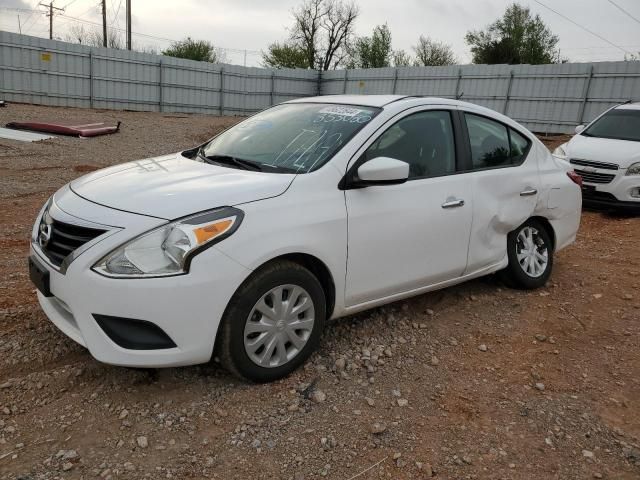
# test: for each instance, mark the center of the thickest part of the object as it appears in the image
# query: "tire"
(248, 333)
(520, 273)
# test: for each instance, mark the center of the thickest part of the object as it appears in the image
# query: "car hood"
(174, 186)
(620, 152)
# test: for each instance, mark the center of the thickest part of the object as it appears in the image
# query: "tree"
(402, 59)
(284, 55)
(430, 53)
(322, 30)
(199, 50)
(517, 37)
(93, 37)
(374, 51)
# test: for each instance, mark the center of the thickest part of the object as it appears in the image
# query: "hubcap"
(279, 326)
(532, 252)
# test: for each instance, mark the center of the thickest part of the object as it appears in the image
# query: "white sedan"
(314, 209)
(606, 154)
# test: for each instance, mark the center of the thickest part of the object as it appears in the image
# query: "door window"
(424, 140)
(494, 144)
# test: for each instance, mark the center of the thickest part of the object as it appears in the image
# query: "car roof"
(362, 100)
(628, 106)
(376, 100)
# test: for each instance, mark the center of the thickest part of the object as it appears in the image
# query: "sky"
(250, 25)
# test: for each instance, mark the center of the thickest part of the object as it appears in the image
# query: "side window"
(519, 146)
(494, 144)
(424, 140)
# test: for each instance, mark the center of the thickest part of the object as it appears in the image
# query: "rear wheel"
(530, 253)
(273, 322)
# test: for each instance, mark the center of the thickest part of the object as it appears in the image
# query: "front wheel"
(530, 253)
(273, 322)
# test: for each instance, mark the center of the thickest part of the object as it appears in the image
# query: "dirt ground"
(472, 382)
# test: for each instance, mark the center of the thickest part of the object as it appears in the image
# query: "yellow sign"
(45, 57)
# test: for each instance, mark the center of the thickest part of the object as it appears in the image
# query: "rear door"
(407, 236)
(503, 177)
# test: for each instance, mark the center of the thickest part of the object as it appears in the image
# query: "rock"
(377, 428)
(370, 401)
(318, 396)
(403, 402)
(129, 466)
(256, 443)
(540, 386)
(66, 455)
(123, 414)
(428, 470)
(628, 296)
(5, 385)
(434, 361)
(597, 295)
(587, 453)
(482, 348)
(142, 442)
(396, 393)
(397, 455)
(597, 475)
(541, 338)
(340, 364)
(429, 312)
(67, 466)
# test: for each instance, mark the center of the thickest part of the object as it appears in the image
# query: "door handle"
(453, 203)
(527, 192)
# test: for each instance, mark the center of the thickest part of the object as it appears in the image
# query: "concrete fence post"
(585, 96)
(346, 78)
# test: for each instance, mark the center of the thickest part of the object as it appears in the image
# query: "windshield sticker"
(342, 111)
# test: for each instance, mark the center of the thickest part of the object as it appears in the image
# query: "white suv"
(606, 154)
(313, 209)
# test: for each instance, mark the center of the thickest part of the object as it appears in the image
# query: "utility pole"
(19, 25)
(104, 23)
(50, 15)
(128, 24)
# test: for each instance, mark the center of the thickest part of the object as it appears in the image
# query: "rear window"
(493, 144)
(618, 124)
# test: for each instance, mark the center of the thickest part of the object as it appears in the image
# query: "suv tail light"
(575, 178)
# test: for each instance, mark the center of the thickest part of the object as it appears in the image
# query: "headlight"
(168, 250)
(634, 169)
(561, 152)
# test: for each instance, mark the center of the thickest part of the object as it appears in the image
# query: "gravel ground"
(472, 382)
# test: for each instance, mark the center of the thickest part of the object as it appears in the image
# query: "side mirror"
(382, 171)
(579, 128)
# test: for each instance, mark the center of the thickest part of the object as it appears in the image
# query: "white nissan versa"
(606, 154)
(313, 209)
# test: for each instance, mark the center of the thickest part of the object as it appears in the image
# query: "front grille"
(589, 163)
(65, 238)
(594, 177)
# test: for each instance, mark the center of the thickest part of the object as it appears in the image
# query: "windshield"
(618, 124)
(289, 138)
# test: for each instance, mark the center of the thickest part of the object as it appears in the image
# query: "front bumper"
(623, 192)
(604, 200)
(187, 308)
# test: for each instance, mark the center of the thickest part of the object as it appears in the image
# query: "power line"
(583, 28)
(623, 10)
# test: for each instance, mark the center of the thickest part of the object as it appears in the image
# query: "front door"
(404, 237)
